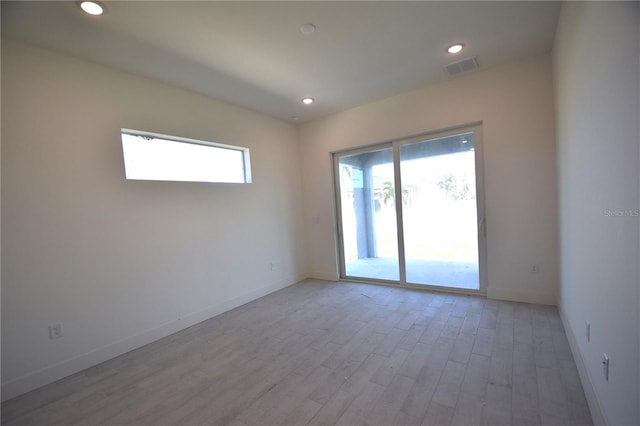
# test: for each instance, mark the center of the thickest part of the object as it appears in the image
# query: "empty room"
(291, 213)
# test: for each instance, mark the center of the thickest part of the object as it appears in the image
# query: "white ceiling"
(253, 54)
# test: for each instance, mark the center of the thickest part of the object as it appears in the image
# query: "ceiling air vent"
(461, 66)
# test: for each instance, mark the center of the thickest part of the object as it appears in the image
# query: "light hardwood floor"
(334, 353)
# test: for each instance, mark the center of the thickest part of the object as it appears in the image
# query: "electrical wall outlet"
(55, 331)
(605, 366)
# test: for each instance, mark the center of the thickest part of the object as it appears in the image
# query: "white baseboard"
(521, 296)
(80, 362)
(323, 276)
(597, 415)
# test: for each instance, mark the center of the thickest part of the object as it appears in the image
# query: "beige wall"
(597, 72)
(121, 263)
(515, 104)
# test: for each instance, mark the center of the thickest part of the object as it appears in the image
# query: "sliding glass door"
(369, 227)
(411, 211)
(441, 221)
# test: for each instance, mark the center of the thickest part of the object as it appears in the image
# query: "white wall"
(515, 104)
(121, 263)
(597, 72)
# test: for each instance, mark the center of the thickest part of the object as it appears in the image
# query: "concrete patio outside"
(462, 275)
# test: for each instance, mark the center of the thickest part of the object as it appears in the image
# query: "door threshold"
(422, 287)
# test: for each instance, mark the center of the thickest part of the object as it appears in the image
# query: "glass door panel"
(368, 215)
(439, 212)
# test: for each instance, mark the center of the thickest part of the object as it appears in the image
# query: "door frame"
(395, 144)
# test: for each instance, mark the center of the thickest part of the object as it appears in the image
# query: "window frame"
(246, 158)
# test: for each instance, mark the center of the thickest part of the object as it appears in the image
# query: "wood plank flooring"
(321, 353)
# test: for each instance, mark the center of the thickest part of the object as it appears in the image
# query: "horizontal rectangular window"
(149, 156)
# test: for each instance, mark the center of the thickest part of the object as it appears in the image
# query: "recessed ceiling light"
(307, 101)
(307, 29)
(92, 7)
(455, 48)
